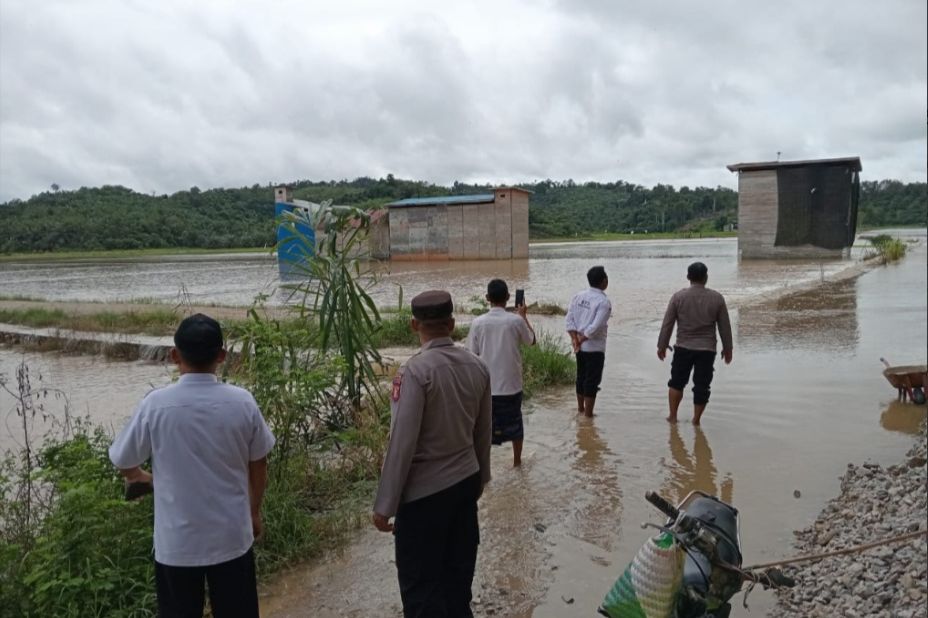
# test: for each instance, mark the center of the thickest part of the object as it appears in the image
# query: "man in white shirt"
(208, 444)
(495, 337)
(586, 322)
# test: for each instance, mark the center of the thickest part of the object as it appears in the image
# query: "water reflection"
(599, 499)
(903, 417)
(823, 318)
(694, 470)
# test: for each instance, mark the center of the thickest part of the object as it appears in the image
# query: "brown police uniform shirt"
(441, 428)
(697, 311)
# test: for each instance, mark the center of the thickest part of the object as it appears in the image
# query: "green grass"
(888, 249)
(147, 322)
(122, 254)
(394, 331)
(547, 363)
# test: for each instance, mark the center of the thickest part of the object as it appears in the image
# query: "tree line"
(114, 217)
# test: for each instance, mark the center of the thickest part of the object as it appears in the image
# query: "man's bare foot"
(588, 414)
(516, 463)
(671, 419)
(695, 422)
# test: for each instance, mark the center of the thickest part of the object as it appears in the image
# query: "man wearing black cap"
(698, 312)
(208, 445)
(436, 465)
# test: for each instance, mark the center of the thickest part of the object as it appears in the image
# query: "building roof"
(852, 162)
(446, 200)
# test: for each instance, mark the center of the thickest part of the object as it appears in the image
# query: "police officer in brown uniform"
(436, 465)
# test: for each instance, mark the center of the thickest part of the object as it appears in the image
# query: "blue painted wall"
(292, 250)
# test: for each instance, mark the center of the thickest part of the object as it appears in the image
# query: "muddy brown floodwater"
(803, 397)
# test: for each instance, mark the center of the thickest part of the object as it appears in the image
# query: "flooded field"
(640, 273)
(803, 397)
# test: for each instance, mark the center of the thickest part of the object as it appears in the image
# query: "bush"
(394, 330)
(89, 553)
(546, 363)
(888, 249)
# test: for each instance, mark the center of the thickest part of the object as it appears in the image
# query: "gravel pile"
(892, 580)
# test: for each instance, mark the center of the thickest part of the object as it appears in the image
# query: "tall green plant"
(333, 291)
(295, 387)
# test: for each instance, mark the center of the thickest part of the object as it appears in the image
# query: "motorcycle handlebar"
(662, 505)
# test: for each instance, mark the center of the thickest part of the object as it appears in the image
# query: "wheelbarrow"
(910, 381)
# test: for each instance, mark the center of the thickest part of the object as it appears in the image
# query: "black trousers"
(233, 589)
(701, 363)
(436, 551)
(589, 372)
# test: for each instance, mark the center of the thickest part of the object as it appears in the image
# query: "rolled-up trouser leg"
(703, 369)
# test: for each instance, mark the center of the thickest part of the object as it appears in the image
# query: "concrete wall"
(455, 232)
(519, 225)
(502, 213)
(758, 216)
(419, 233)
(757, 213)
(489, 231)
(470, 231)
(486, 230)
(379, 238)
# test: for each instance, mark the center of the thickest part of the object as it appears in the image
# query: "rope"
(841, 552)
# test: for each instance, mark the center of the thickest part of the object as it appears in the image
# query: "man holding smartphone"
(495, 337)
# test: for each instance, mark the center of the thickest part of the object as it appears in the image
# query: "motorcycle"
(691, 569)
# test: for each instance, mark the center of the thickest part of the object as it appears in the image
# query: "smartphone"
(520, 298)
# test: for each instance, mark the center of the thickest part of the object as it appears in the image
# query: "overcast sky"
(164, 95)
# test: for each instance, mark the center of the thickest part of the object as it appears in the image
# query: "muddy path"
(526, 514)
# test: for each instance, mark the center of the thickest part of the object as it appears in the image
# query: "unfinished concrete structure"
(488, 226)
(294, 250)
(797, 209)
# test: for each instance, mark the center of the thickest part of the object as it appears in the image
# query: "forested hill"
(112, 217)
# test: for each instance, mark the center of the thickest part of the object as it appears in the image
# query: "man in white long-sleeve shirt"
(587, 319)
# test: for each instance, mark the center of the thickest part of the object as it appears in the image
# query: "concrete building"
(489, 226)
(797, 209)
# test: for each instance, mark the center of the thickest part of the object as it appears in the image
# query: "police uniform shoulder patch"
(397, 385)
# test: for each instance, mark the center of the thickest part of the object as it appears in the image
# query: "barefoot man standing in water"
(697, 311)
(586, 321)
(495, 337)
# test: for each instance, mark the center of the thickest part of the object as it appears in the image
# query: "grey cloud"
(163, 96)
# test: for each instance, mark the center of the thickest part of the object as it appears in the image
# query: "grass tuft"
(888, 249)
(547, 363)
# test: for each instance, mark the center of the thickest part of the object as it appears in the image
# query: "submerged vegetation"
(888, 249)
(154, 321)
(547, 363)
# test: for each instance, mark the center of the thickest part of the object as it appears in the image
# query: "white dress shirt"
(495, 338)
(200, 435)
(588, 314)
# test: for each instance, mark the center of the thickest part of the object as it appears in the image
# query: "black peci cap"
(432, 305)
(198, 339)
